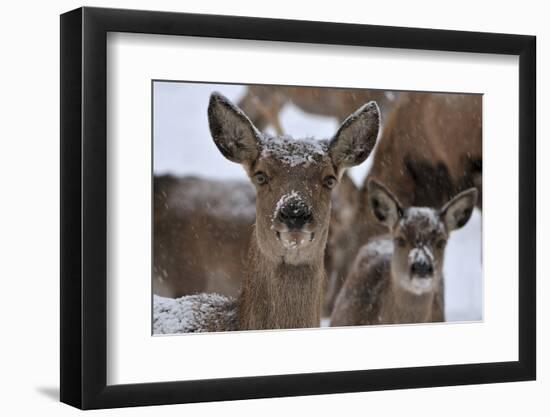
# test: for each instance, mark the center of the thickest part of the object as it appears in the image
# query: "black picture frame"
(84, 207)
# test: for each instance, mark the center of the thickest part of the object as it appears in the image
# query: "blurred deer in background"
(263, 103)
(201, 235)
(430, 149)
(398, 278)
(285, 275)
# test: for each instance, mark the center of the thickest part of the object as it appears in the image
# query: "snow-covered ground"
(183, 146)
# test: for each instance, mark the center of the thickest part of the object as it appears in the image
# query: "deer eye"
(260, 178)
(399, 241)
(330, 182)
(440, 244)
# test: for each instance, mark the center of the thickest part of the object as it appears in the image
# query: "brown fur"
(386, 285)
(342, 242)
(201, 235)
(277, 295)
(262, 103)
(430, 150)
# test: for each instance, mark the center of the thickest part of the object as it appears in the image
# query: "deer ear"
(458, 211)
(233, 133)
(356, 137)
(384, 205)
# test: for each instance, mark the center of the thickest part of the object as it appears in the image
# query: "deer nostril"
(295, 215)
(294, 210)
(421, 269)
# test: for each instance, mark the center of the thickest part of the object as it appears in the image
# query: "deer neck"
(406, 307)
(276, 295)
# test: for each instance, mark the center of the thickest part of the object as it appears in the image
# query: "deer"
(284, 276)
(201, 234)
(430, 149)
(397, 278)
(263, 103)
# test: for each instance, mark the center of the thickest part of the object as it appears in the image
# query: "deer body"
(201, 235)
(284, 275)
(398, 278)
(263, 103)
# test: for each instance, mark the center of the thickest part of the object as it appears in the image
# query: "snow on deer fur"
(292, 152)
(193, 313)
(379, 246)
(220, 199)
(404, 282)
(293, 197)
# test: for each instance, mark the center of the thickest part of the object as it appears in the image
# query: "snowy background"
(183, 146)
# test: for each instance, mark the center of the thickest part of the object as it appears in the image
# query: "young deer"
(399, 278)
(284, 277)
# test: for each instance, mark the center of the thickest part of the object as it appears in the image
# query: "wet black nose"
(295, 215)
(422, 269)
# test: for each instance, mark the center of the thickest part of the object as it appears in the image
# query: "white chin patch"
(295, 240)
(418, 286)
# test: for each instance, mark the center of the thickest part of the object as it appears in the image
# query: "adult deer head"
(293, 177)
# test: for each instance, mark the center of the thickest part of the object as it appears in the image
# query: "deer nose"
(295, 215)
(422, 269)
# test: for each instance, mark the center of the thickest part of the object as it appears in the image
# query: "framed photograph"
(258, 208)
